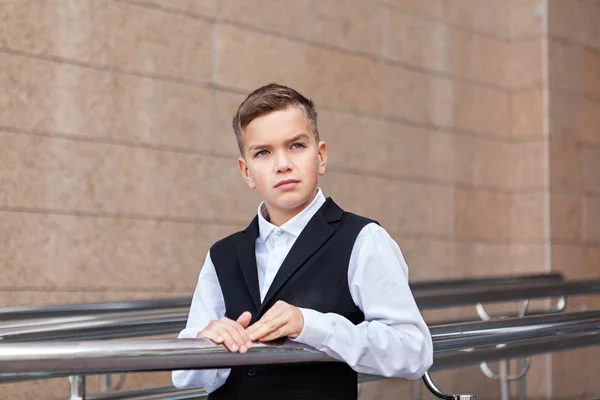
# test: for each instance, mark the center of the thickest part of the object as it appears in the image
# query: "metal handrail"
(103, 326)
(88, 309)
(172, 320)
(154, 355)
(490, 280)
(453, 346)
(495, 294)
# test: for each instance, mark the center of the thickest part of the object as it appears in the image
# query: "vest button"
(251, 371)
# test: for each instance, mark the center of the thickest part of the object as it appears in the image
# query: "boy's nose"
(283, 163)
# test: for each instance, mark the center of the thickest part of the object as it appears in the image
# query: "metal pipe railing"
(172, 320)
(495, 294)
(155, 355)
(491, 280)
(453, 346)
(88, 309)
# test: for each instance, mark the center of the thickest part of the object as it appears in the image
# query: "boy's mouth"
(287, 182)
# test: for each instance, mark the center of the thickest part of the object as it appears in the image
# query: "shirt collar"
(295, 225)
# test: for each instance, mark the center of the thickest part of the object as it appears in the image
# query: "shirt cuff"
(314, 333)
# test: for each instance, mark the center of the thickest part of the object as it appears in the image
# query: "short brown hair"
(271, 97)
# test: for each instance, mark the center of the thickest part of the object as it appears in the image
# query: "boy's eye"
(298, 146)
(260, 153)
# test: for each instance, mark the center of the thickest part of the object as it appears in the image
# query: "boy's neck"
(279, 217)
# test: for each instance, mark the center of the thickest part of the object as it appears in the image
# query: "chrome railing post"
(77, 383)
(442, 395)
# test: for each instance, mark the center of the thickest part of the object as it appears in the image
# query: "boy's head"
(281, 153)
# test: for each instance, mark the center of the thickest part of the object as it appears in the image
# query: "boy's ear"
(245, 173)
(322, 157)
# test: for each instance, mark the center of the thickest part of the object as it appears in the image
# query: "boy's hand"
(230, 333)
(281, 320)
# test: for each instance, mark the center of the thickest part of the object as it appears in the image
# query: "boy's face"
(282, 160)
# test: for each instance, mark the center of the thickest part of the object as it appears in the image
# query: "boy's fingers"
(244, 319)
(237, 332)
(228, 341)
(264, 328)
(272, 314)
(211, 335)
(276, 334)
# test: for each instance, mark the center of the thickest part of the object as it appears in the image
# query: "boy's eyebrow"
(298, 137)
(294, 139)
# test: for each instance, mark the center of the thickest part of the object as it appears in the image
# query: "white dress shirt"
(393, 341)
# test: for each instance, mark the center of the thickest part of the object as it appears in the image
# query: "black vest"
(313, 275)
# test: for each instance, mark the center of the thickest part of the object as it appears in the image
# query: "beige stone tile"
(347, 24)
(85, 253)
(74, 29)
(538, 380)
(530, 168)
(528, 217)
(292, 18)
(566, 217)
(488, 259)
(574, 117)
(526, 18)
(46, 96)
(247, 60)
(435, 45)
(488, 17)
(482, 162)
(353, 25)
(527, 114)
(345, 81)
(366, 144)
(477, 57)
(202, 7)
(226, 105)
(152, 41)
(498, 216)
(576, 261)
(566, 168)
(485, 17)
(590, 166)
(574, 373)
(433, 100)
(591, 220)
(38, 389)
(481, 214)
(573, 67)
(446, 259)
(400, 207)
(524, 64)
(577, 21)
(427, 258)
(417, 41)
(48, 173)
(432, 8)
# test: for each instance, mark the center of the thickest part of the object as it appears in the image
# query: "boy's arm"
(394, 340)
(207, 305)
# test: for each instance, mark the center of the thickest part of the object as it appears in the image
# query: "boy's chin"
(289, 201)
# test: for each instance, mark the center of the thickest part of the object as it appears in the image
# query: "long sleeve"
(207, 305)
(394, 340)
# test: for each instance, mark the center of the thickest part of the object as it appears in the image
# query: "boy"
(305, 270)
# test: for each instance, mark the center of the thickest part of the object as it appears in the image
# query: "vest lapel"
(313, 236)
(245, 249)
